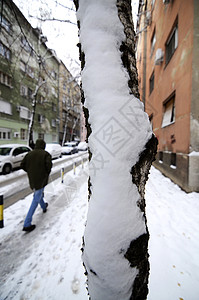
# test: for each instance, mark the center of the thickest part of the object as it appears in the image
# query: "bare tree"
(137, 251)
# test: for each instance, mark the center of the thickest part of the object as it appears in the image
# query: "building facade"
(69, 106)
(34, 84)
(168, 67)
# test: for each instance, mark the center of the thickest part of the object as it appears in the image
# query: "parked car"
(82, 146)
(54, 149)
(69, 148)
(11, 156)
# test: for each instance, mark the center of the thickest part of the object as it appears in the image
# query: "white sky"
(62, 37)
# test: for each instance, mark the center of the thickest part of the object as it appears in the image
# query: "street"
(15, 186)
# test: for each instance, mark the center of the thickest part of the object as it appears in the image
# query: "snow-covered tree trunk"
(122, 148)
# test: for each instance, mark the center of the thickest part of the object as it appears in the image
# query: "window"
(23, 90)
(30, 92)
(54, 75)
(53, 123)
(160, 156)
(173, 159)
(153, 41)
(54, 138)
(53, 90)
(4, 51)
(30, 72)
(151, 120)
(64, 99)
(169, 112)
(5, 79)
(5, 134)
(5, 24)
(41, 136)
(26, 45)
(22, 66)
(5, 107)
(41, 99)
(23, 134)
(151, 83)
(171, 44)
(54, 108)
(24, 113)
(41, 119)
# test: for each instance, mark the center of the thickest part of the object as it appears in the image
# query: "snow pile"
(120, 130)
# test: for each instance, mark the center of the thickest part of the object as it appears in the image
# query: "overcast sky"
(62, 36)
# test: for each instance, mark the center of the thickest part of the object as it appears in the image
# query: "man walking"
(37, 163)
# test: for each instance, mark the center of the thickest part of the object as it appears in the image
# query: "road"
(16, 187)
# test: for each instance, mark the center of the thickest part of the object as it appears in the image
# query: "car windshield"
(69, 145)
(5, 151)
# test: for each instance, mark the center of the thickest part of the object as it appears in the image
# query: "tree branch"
(52, 19)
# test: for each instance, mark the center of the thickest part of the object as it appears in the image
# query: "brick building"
(168, 68)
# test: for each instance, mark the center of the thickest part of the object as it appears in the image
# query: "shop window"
(171, 44)
(169, 112)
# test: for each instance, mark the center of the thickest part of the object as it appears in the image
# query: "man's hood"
(40, 144)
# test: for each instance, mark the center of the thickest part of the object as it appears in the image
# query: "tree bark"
(137, 252)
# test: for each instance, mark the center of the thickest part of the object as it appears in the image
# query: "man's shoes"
(45, 209)
(29, 228)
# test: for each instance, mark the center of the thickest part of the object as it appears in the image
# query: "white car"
(82, 146)
(69, 148)
(11, 156)
(54, 149)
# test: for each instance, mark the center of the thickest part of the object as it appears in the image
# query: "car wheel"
(7, 169)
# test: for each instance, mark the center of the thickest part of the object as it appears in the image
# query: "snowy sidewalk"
(46, 264)
(173, 221)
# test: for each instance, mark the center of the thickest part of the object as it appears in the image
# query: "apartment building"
(168, 68)
(34, 84)
(69, 106)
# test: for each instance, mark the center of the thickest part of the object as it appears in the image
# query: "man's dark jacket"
(37, 163)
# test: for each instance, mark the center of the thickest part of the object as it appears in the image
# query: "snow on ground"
(174, 240)
(46, 263)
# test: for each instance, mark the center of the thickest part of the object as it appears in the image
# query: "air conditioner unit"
(166, 1)
(159, 55)
(16, 134)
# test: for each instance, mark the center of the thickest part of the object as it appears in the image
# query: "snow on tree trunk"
(122, 148)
